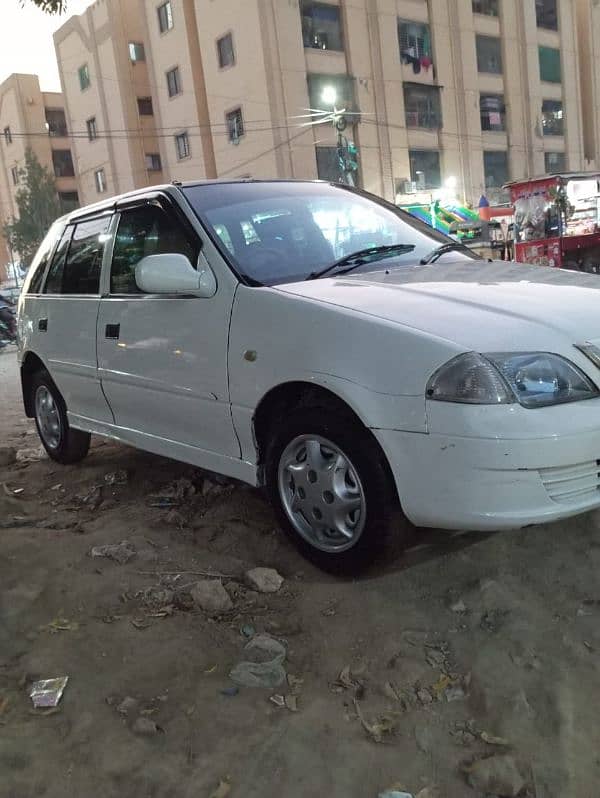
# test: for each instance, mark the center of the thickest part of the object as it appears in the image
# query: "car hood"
(476, 304)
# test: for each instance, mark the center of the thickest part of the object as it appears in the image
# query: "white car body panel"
(186, 376)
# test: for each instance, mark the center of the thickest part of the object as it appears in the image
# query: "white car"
(318, 341)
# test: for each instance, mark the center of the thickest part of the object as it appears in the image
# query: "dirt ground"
(462, 636)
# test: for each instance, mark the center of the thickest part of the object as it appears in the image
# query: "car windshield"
(282, 232)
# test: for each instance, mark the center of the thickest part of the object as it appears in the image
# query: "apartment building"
(109, 98)
(450, 95)
(35, 119)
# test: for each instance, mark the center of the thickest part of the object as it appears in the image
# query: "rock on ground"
(211, 596)
(497, 775)
(8, 456)
(265, 580)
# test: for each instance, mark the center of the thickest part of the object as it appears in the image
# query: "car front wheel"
(63, 444)
(331, 487)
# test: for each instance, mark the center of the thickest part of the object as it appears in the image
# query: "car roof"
(175, 186)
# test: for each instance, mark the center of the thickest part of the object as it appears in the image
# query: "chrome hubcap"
(322, 493)
(47, 417)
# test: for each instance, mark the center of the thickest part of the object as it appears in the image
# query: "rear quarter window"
(38, 266)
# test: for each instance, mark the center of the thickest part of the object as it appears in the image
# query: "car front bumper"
(505, 470)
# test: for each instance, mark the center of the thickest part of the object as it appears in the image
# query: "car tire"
(63, 443)
(319, 462)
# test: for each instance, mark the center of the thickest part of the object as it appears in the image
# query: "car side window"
(147, 230)
(77, 261)
(84, 258)
(55, 275)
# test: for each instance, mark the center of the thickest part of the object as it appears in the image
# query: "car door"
(163, 358)
(67, 317)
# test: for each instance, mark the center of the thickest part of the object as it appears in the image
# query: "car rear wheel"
(63, 444)
(331, 487)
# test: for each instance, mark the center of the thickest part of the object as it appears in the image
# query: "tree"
(38, 206)
(50, 6)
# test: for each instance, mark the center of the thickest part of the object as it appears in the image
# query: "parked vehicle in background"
(316, 340)
(11, 290)
(8, 322)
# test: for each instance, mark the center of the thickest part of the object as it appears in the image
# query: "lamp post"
(346, 152)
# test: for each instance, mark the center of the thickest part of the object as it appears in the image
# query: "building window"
(425, 168)
(322, 89)
(182, 146)
(137, 52)
(225, 51)
(235, 124)
(415, 41)
(487, 7)
(321, 26)
(7, 135)
(84, 77)
(489, 54)
(422, 106)
(100, 180)
(492, 112)
(153, 163)
(69, 200)
(145, 106)
(173, 82)
(56, 122)
(328, 164)
(546, 14)
(495, 168)
(14, 173)
(549, 64)
(165, 17)
(63, 163)
(555, 162)
(552, 118)
(91, 128)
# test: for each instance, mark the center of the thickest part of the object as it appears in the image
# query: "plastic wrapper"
(48, 692)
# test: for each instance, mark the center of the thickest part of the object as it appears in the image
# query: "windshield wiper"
(439, 251)
(355, 259)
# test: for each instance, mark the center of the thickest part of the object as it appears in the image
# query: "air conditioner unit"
(408, 187)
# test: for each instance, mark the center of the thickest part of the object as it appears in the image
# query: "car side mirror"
(172, 273)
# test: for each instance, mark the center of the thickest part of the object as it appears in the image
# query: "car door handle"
(113, 331)
(43, 325)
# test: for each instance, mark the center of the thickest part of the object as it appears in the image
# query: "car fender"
(377, 367)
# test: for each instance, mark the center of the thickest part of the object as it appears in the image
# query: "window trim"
(220, 39)
(179, 91)
(342, 33)
(153, 155)
(177, 136)
(243, 133)
(560, 64)
(84, 69)
(427, 187)
(135, 45)
(91, 128)
(426, 88)
(498, 39)
(147, 97)
(487, 14)
(169, 17)
(97, 172)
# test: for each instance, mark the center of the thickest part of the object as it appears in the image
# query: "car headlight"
(534, 379)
